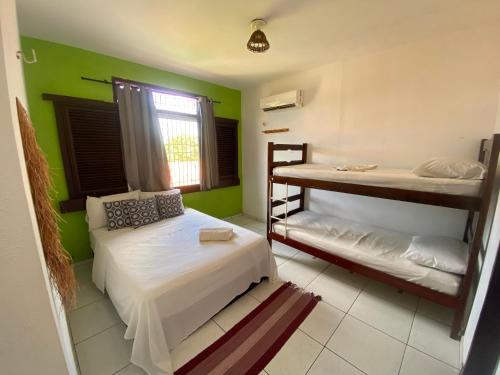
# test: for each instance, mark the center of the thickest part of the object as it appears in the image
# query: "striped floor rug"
(251, 344)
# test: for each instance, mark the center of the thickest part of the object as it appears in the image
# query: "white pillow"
(96, 215)
(451, 168)
(151, 194)
(443, 253)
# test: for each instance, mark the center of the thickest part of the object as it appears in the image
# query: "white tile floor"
(360, 326)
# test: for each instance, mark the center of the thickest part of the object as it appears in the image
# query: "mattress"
(165, 283)
(367, 245)
(393, 178)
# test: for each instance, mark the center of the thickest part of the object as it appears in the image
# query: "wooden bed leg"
(456, 326)
(456, 331)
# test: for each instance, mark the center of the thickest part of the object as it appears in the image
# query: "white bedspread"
(394, 178)
(165, 284)
(367, 245)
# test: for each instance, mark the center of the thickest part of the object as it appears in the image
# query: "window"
(180, 128)
(91, 145)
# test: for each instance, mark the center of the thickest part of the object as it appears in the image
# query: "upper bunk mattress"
(393, 178)
(370, 246)
(165, 283)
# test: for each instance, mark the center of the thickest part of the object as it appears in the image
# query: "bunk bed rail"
(471, 203)
(403, 195)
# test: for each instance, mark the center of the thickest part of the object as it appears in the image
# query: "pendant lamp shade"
(258, 42)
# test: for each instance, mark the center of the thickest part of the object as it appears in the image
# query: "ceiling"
(207, 39)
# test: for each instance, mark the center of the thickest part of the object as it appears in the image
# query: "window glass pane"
(183, 150)
(175, 103)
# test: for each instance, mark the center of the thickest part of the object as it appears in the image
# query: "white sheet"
(165, 284)
(367, 245)
(394, 178)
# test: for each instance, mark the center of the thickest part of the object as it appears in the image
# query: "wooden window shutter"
(227, 151)
(90, 140)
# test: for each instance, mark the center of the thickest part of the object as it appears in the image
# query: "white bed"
(165, 284)
(367, 245)
(394, 178)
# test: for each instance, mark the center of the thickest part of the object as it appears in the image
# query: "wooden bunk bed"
(478, 207)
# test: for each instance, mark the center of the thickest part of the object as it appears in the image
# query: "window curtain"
(208, 148)
(144, 156)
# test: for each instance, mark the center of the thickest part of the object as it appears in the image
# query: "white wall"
(30, 340)
(396, 108)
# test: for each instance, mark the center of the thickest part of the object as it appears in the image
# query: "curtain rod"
(105, 81)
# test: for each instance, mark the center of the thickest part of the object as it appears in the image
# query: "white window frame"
(173, 115)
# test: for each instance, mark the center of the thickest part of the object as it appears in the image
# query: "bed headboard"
(488, 155)
(271, 147)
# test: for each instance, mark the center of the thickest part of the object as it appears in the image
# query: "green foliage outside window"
(182, 148)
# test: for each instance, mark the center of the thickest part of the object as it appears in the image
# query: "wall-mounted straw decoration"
(58, 260)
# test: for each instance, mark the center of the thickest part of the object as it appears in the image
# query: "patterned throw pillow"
(143, 212)
(117, 214)
(169, 205)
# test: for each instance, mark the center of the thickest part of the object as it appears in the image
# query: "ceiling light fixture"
(258, 42)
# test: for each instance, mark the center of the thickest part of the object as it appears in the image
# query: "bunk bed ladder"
(282, 217)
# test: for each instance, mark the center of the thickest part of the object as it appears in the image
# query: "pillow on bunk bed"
(443, 253)
(451, 168)
(96, 216)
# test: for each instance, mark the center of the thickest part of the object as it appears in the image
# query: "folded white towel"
(357, 167)
(216, 234)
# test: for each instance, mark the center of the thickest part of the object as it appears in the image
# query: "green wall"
(58, 71)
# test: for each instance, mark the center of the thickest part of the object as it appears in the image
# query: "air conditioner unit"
(285, 100)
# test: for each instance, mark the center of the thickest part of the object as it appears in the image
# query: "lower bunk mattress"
(367, 245)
